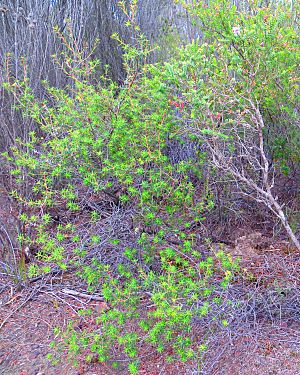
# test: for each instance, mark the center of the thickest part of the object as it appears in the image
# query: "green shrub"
(97, 142)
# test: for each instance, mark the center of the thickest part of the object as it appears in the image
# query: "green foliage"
(109, 142)
(249, 55)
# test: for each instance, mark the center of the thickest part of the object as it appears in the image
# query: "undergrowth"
(129, 210)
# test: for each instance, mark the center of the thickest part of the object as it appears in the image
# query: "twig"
(35, 291)
(83, 295)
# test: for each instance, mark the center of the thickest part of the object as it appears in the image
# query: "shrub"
(106, 197)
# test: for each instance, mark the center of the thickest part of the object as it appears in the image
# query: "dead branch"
(249, 164)
(83, 295)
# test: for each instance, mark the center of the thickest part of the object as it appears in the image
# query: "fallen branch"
(4, 321)
(83, 295)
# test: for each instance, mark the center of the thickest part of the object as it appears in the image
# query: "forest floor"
(29, 316)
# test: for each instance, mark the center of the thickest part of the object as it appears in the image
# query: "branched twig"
(83, 295)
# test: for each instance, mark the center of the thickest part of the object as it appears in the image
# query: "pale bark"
(258, 165)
